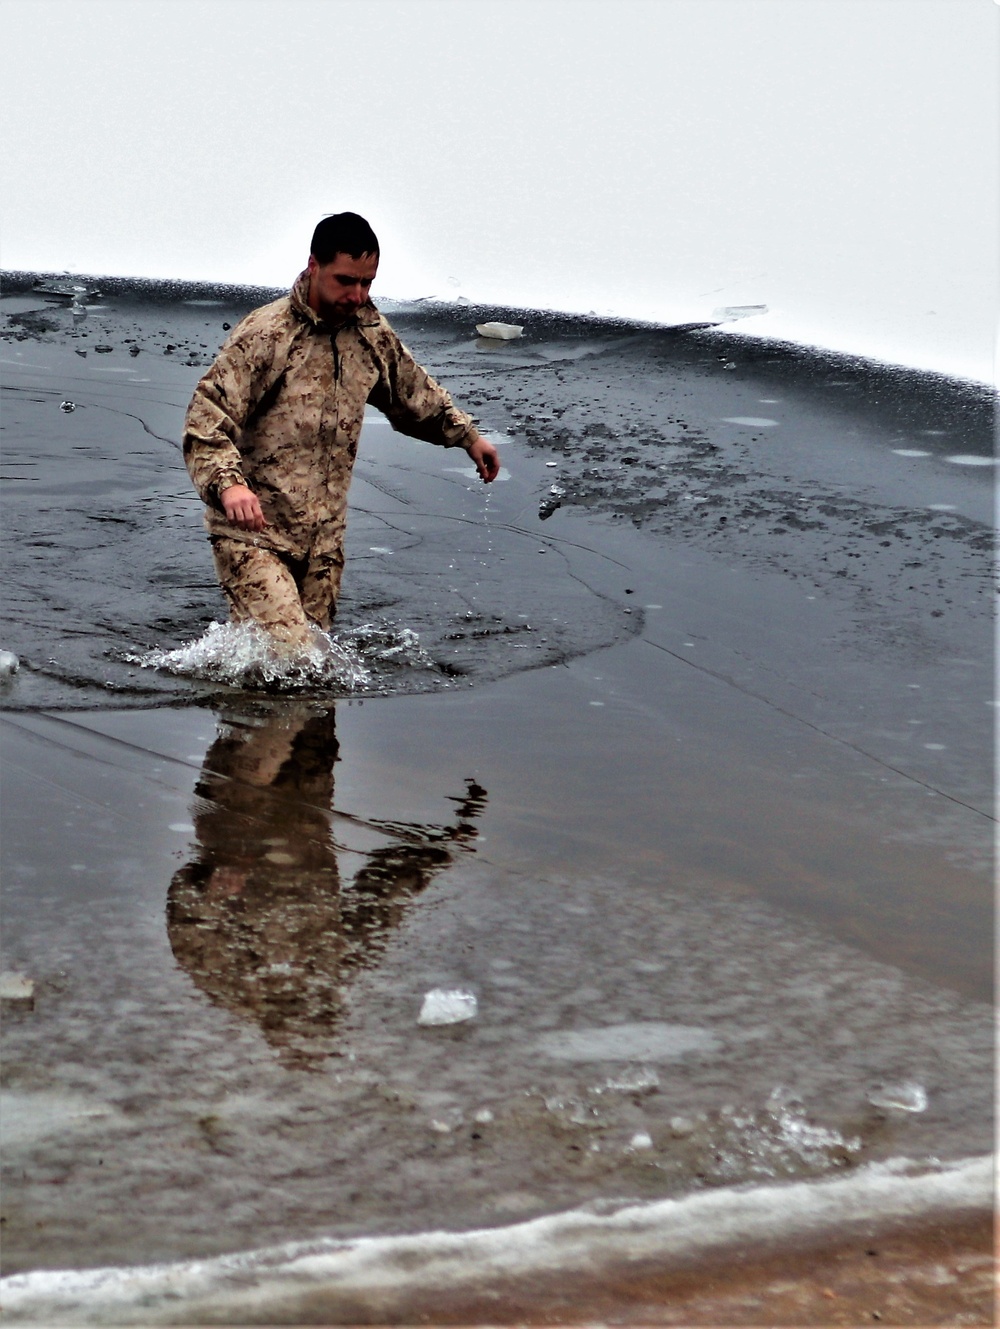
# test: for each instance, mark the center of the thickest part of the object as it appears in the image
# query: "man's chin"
(336, 317)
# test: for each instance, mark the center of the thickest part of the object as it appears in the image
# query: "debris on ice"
(550, 502)
(9, 664)
(448, 1006)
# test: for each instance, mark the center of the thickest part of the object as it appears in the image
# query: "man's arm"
(222, 403)
(417, 405)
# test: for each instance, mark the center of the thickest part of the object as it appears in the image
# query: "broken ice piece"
(67, 406)
(9, 664)
(738, 311)
(447, 1120)
(641, 1140)
(634, 1080)
(906, 1097)
(448, 1006)
(17, 990)
(500, 331)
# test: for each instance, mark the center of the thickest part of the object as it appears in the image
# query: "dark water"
(700, 815)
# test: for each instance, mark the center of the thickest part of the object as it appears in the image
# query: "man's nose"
(354, 294)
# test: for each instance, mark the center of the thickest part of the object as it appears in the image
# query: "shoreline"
(859, 1249)
(22, 281)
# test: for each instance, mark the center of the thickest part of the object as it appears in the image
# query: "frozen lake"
(689, 786)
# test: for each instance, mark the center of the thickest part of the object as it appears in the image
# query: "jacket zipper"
(336, 416)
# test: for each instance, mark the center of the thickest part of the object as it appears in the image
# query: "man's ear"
(312, 265)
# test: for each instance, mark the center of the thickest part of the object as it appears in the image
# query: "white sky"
(834, 159)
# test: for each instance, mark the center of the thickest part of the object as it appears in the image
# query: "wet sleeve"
(414, 403)
(220, 408)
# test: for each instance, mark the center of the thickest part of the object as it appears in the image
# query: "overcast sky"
(834, 159)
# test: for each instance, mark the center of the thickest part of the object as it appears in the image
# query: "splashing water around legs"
(245, 655)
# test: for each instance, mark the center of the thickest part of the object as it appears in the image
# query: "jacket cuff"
(458, 429)
(224, 480)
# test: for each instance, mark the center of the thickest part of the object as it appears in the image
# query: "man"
(272, 431)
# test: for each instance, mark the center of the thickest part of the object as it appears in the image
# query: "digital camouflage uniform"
(281, 410)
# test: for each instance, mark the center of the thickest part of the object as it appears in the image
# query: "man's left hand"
(486, 457)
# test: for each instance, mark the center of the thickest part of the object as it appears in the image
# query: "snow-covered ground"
(650, 159)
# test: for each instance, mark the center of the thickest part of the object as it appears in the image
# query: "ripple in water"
(244, 655)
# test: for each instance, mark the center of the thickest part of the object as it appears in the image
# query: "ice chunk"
(634, 1080)
(572, 1111)
(500, 331)
(728, 312)
(447, 1120)
(448, 1006)
(9, 664)
(17, 990)
(67, 406)
(641, 1140)
(907, 1096)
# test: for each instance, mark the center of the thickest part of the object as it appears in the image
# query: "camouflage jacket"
(281, 410)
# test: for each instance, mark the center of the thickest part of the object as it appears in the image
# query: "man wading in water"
(272, 431)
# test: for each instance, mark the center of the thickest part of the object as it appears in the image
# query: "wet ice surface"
(719, 897)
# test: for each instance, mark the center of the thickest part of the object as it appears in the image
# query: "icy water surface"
(693, 832)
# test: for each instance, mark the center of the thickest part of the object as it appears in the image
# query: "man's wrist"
(227, 481)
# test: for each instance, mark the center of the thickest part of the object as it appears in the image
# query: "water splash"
(244, 655)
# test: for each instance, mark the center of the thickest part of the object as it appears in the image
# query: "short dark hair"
(342, 233)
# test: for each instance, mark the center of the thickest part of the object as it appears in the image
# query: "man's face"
(339, 288)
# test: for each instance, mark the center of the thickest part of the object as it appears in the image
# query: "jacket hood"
(366, 317)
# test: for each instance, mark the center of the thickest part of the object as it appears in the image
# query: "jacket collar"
(366, 317)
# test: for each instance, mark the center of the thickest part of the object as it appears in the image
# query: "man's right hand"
(242, 508)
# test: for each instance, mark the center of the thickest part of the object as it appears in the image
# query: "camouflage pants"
(284, 595)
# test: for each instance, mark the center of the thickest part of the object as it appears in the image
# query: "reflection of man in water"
(259, 919)
(272, 431)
